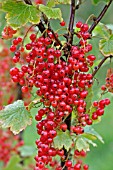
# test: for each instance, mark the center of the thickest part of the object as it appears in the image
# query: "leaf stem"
(27, 33)
(97, 20)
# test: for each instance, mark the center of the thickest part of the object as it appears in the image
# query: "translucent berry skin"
(62, 23)
(24, 89)
(79, 24)
(13, 48)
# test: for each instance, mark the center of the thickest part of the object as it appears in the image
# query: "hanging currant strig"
(62, 75)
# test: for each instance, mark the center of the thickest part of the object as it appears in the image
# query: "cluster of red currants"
(109, 81)
(63, 89)
(7, 147)
(7, 86)
(8, 32)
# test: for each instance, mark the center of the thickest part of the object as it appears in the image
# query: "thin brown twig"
(71, 22)
(97, 20)
(27, 33)
(70, 34)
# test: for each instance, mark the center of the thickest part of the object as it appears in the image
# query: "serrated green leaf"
(97, 1)
(27, 151)
(89, 99)
(63, 139)
(91, 142)
(90, 132)
(102, 30)
(106, 46)
(15, 116)
(62, 1)
(18, 13)
(51, 13)
(81, 144)
(89, 136)
(14, 163)
(50, 3)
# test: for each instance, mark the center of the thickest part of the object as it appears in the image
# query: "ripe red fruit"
(12, 48)
(84, 28)
(24, 89)
(15, 42)
(62, 23)
(85, 167)
(77, 166)
(63, 127)
(107, 101)
(94, 116)
(68, 163)
(39, 2)
(33, 37)
(79, 24)
(103, 87)
(83, 153)
(28, 46)
(91, 57)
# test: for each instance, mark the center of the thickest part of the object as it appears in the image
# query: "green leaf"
(51, 13)
(50, 3)
(34, 102)
(89, 99)
(63, 139)
(15, 116)
(97, 1)
(90, 142)
(106, 46)
(90, 133)
(63, 1)
(27, 151)
(102, 31)
(18, 13)
(81, 144)
(14, 163)
(64, 58)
